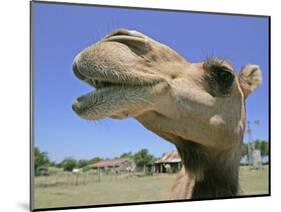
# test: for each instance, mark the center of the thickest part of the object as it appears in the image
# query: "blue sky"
(61, 31)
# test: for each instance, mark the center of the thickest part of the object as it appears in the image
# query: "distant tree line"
(142, 158)
(261, 145)
(41, 161)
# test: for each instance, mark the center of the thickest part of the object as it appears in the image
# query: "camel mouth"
(112, 96)
(118, 90)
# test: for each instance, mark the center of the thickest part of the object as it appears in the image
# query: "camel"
(199, 107)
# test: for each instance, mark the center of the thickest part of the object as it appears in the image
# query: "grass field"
(66, 190)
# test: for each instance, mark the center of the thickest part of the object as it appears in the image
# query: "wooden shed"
(117, 165)
(169, 163)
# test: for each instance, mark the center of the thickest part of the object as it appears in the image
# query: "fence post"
(98, 174)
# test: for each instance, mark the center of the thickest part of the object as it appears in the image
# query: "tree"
(244, 149)
(68, 164)
(262, 145)
(264, 148)
(94, 160)
(41, 160)
(257, 144)
(53, 163)
(82, 163)
(143, 158)
(127, 155)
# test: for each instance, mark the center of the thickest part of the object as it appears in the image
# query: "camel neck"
(208, 174)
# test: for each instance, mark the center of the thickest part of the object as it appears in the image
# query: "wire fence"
(68, 178)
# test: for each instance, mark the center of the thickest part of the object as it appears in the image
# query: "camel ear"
(250, 78)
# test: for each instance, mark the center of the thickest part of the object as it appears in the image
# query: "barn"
(116, 165)
(169, 163)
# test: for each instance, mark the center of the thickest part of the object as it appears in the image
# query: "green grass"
(254, 181)
(61, 190)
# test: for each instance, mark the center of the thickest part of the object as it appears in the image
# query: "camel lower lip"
(112, 101)
(86, 101)
(103, 89)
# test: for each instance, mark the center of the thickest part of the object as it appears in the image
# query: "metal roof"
(109, 163)
(170, 157)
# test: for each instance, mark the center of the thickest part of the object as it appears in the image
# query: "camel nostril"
(118, 32)
(125, 32)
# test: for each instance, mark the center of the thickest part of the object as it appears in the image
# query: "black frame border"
(31, 103)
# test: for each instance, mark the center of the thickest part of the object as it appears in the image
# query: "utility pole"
(251, 146)
(254, 156)
(257, 160)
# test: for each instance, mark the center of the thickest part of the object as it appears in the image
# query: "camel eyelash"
(219, 77)
(216, 62)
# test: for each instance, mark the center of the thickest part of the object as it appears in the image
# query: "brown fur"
(214, 174)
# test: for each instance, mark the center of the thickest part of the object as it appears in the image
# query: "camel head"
(134, 75)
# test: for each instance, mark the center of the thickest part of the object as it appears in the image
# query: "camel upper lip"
(96, 82)
(100, 80)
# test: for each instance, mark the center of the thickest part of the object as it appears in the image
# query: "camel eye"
(219, 77)
(219, 80)
(222, 75)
